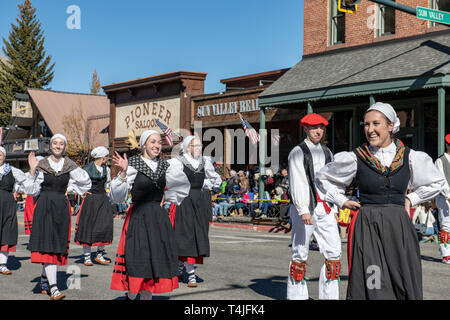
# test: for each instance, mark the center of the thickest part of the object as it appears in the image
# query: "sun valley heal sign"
(141, 116)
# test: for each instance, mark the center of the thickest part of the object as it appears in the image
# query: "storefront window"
(339, 130)
(431, 129)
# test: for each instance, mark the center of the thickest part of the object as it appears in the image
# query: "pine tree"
(28, 65)
(95, 84)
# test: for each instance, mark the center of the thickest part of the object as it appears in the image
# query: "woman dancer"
(146, 259)
(50, 233)
(193, 215)
(30, 203)
(385, 255)
(95, 218)
(10, 179)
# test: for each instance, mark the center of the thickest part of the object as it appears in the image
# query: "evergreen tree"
(28, 65)
(95, 84)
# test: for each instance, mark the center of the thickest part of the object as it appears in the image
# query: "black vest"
(7, 182)
(54, 183)
(375, 188)
(308, 164)
(147, 190)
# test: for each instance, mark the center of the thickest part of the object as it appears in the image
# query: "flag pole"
(262, 153)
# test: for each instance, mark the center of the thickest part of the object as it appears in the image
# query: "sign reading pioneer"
(141, 116)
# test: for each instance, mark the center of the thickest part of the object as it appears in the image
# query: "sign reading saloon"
(141, 116)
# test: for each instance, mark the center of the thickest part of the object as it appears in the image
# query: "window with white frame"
(441, 5)
(337, 24)
(385, 20)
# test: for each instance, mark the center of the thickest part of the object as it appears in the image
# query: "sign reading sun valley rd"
(433, 15)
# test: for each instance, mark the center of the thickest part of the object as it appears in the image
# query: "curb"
(242, 226)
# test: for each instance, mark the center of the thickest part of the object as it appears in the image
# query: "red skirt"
(191, 260)
(7, 248)
(51, 258)
(28, 214)
(122, 282)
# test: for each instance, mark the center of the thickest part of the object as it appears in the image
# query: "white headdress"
(389, 112)
(58, 135)
(145, 136)
(99, 152)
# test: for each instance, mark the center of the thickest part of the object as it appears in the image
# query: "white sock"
(100, 251)
(146, 295)
(131, 296)
(3, 257)
(50, 271)
(189, 268)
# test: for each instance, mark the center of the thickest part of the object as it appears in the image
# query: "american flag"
(275, 139)
(166, 130)
(250, 132)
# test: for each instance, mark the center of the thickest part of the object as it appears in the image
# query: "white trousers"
(326, 232)
(444, 217)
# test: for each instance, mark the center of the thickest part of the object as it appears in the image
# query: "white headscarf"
(186, 142)
(58, 135)
(3, 151)
(389, 112)
(145, 136)
(99, 152)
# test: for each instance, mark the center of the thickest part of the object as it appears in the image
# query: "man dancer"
(443, 204)
(310, 215)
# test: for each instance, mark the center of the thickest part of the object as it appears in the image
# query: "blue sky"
(125, 40)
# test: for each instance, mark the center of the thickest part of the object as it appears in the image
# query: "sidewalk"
(244, 223)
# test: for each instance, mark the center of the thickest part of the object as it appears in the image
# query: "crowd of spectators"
(239, 194)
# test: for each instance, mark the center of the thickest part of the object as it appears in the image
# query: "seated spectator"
(224, 203)
(266, 204)
(240, 205)
(424, 215)
(248, 200)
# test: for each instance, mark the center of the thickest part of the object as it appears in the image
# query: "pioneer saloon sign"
(141, 116)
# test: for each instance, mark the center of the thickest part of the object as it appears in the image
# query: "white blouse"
(21, 179)
(298, 183)
(177, 179)
(425, 179)
(446, 190)
(121, 187)
(79, 181)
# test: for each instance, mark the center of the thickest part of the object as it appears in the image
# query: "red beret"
(313, 119)
(447, 138)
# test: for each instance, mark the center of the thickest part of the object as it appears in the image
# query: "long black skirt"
(95, 221)
(50, 232)
(150, 250)
(8, 220)
(191, 226)
(385, 255)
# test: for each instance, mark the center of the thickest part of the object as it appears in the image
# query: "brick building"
(351, 60)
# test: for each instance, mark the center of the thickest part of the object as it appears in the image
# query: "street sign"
(433, 15)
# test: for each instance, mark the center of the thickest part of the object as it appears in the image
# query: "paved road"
(244, 265)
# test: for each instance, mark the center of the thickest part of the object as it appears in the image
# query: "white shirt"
(121, 187)
(79, 181)
(425, 179)
(19, 176)
(446, 190)
(298, 182)
(178, 183)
